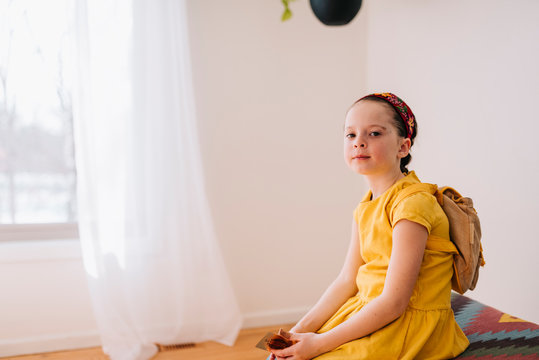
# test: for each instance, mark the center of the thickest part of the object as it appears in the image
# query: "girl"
(391, 299)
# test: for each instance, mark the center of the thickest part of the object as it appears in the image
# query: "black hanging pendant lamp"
(335, 12)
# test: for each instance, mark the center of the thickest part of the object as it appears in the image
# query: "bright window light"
(37, 169)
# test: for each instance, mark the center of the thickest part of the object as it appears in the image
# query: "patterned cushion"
(494, 334)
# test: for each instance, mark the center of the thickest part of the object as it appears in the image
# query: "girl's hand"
(307, 347)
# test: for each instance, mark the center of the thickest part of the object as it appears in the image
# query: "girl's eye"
(375, 133)
(350, 135)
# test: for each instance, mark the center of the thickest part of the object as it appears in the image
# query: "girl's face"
(372, 145)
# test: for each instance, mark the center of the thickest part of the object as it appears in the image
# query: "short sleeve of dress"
(421, 208)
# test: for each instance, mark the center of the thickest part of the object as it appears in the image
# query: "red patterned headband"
(403, 110)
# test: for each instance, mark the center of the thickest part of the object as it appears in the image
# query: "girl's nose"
(360, 144)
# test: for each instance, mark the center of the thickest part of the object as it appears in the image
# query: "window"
(37, 168)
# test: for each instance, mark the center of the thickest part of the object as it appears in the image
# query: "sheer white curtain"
(154, 267)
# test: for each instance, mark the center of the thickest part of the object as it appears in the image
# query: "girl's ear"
(404, 149)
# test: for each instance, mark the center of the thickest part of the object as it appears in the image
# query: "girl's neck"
(380, 183)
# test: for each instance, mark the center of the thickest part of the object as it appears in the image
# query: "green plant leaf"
(287, 14)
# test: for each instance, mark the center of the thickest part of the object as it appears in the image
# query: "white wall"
(470, 71)
(271, 99)
(44, 299)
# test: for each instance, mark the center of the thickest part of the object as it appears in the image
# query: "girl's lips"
(361, 157)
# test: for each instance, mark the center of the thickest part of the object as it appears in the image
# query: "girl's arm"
(342, 288)
(409, 240)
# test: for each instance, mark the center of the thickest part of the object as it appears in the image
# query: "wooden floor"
(244, 349)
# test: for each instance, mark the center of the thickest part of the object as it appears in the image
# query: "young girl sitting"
(391, 299)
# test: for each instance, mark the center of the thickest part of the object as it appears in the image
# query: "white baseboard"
(273, 317)
(48, 343)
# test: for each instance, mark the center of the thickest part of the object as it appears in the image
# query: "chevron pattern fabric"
(493, 334)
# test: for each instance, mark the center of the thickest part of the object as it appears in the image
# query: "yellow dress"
(427, 329)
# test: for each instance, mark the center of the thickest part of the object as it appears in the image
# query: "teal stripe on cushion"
(515, 334)
(467, 313)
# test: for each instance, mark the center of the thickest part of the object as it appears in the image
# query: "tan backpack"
(464, 232)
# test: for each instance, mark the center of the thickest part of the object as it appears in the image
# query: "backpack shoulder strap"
(453, 195)
(413, 189)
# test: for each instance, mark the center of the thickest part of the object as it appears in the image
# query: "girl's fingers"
(289, 351)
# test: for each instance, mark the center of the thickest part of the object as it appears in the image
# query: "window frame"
(38, 232)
